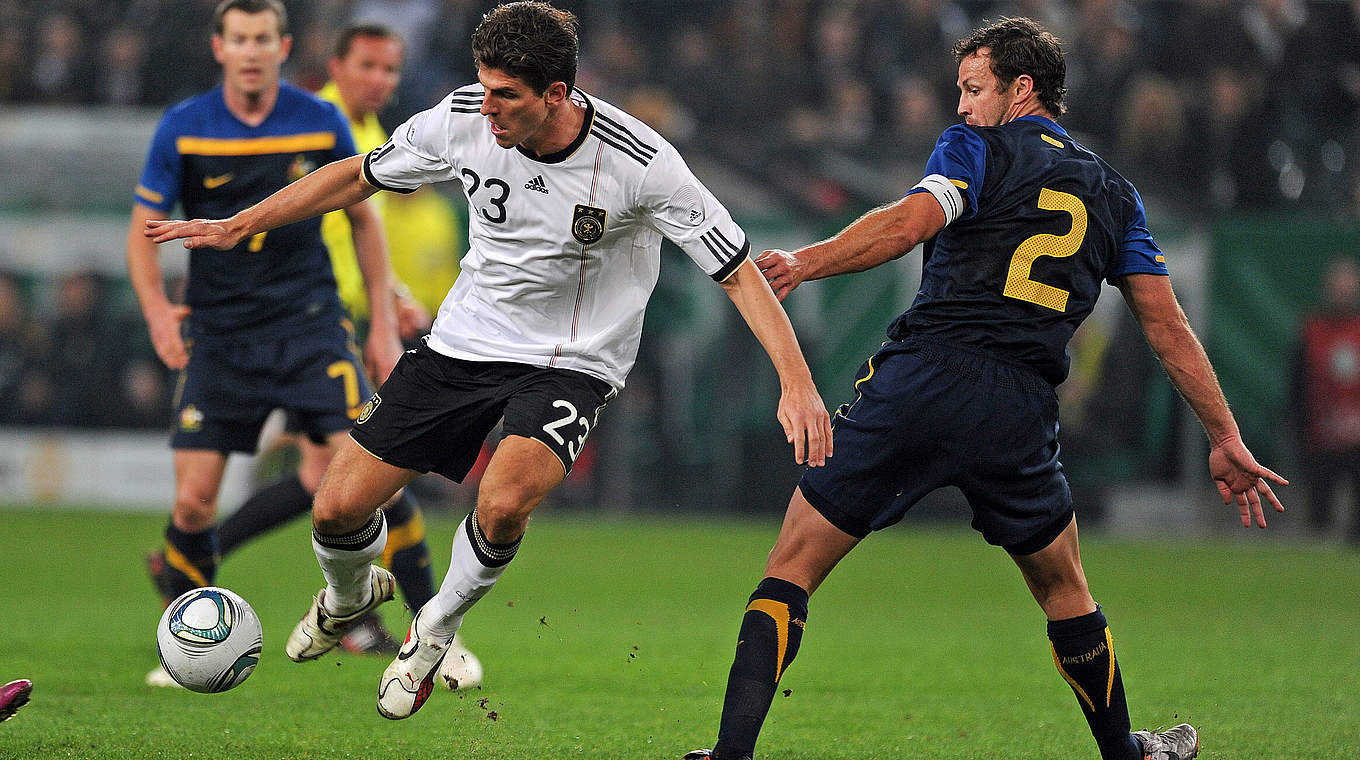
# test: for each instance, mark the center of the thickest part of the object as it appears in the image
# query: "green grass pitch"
(612, 639)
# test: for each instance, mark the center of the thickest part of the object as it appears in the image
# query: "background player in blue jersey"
(262, 326)
(1021, 225)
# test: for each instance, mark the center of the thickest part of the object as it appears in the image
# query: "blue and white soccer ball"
(209, 640)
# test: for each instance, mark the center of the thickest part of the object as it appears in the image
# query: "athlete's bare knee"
(503, 511)
(334, 513)
(195, 508)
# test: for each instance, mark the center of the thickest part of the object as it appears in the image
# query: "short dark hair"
(532, 41)
(1020, 46)
(377, 31)
(250, 6)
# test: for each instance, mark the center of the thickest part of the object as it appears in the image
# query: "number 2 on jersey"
(1018, 283)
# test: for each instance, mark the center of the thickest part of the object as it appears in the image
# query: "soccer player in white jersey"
(568, 199)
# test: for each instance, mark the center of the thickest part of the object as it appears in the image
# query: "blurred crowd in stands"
(85, 361)
(1210, 105)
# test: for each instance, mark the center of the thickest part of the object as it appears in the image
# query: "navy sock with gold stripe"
(190, 559)
(266, 509)
(1083, 651)
(771, 631)
(407, 553)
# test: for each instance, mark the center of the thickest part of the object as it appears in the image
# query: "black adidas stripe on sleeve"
(375, 155)
(621, 147)
(466, 102)
(729, 255)
(624, 135)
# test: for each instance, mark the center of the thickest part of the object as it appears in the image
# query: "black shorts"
(434, 411)
(929, 415)
(229, 388)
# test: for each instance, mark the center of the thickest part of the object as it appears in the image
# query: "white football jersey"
(564, 249)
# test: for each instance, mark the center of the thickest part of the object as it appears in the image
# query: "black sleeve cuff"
(733, 263)
(368, 177)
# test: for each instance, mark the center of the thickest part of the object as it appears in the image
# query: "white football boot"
(408, 681)
(1176, 743)
(461, 669)
(319, 631)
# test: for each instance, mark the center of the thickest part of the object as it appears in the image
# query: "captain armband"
(949, 197)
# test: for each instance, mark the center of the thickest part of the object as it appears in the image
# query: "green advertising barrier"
(1265, 272)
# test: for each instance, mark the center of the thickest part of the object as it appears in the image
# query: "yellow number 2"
(1018, 283)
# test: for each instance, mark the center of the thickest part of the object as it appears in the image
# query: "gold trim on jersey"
(1051, 141)
(146, 193)
(254, 146)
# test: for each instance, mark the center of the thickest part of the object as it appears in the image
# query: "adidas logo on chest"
(536, 184)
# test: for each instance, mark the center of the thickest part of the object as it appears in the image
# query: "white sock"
(476, 566)
(346, 561)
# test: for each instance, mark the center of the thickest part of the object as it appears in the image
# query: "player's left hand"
(196, 233)
(1240, 478)
(806, 424)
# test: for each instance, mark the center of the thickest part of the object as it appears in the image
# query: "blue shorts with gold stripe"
(928, 414)
(230, 387)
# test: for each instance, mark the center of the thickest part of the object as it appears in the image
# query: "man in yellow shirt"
(365, 70)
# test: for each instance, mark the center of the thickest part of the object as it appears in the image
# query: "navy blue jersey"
(1046, 221)
(276, 283)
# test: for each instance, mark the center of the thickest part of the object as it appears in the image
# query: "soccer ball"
(209, 640)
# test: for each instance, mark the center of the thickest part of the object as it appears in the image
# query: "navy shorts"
(928, 415)
(229, 388)
(435, 411)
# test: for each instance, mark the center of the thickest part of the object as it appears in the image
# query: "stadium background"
(1237, 121)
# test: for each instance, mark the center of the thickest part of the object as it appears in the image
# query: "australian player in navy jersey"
(261, 327)
(568, 199)
(1021, 224)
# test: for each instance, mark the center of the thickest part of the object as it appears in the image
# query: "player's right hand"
(806, 423)
(782, 270)
(196, 233)
(166, 338)
(1242, 479)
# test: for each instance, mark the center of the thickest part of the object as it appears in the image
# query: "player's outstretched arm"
(881, 235)
(1235, 471)
(801, 411)
(333, 186)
